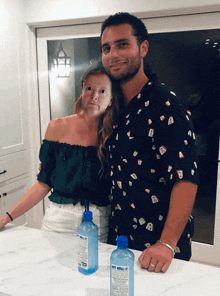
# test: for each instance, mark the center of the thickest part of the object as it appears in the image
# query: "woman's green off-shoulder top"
(73, 173)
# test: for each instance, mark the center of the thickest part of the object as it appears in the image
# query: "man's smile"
(117, 64)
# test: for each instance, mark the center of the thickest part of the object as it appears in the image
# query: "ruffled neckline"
(67, 145)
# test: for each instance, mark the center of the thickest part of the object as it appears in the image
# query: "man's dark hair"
(139, 29)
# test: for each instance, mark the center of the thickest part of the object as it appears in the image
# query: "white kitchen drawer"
(10, 195)
(16, 165)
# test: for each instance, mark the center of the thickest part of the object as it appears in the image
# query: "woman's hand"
(1, 224)
(3, 221)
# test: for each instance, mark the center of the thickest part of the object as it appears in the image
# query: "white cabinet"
(13, 90)
(11, 194)
(14, 153)
(14, 181)
(19, 116)
(13, 125)
(14, 165)
(14, 129)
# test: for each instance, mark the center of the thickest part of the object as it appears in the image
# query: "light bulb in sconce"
(62, 63)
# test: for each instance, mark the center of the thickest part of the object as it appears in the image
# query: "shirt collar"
(147, 88)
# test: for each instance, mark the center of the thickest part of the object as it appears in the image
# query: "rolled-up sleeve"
(48, 160)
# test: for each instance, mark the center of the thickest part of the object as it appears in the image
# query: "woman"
(74, 160)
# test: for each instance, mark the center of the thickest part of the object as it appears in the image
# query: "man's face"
(120, 52)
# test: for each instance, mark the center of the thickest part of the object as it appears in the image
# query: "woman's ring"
(152, 265)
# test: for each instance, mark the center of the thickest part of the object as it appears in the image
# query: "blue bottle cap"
(87, 215)
(122, 241)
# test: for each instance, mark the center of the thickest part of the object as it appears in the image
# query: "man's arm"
(181, 204)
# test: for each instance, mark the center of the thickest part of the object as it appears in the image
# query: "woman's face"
(96, 94)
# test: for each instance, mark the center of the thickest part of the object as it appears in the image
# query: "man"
(152, 153)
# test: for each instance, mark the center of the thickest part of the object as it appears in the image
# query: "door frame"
(200, 252)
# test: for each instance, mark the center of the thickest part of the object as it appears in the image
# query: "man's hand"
(156, 258)
(40, 168)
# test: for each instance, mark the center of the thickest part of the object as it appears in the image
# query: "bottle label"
(83, 251)
(120, 280)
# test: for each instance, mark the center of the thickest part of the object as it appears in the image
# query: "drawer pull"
(3, 172)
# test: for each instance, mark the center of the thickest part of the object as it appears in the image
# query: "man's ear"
(144, 48)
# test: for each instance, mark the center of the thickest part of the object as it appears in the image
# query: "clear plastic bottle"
(122, 269)
(87, 245)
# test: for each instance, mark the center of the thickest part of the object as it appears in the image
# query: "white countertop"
(37, 262)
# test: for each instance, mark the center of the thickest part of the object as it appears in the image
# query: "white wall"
(41, 13)
(12, 44)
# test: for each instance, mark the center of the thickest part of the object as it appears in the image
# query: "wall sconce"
(61, 63)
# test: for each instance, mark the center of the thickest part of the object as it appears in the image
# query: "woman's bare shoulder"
(57, 127)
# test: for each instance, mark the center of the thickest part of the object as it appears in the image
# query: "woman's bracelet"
(167, 245)
(9, 216)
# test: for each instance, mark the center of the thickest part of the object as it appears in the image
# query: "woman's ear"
(144, 48)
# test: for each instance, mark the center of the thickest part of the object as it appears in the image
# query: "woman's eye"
(102, 91)
(89, 88)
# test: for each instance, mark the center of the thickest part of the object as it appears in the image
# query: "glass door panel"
(188, 62)
(64, 91)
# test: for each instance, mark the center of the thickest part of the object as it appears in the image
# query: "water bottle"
(122, 269)
(87, 245)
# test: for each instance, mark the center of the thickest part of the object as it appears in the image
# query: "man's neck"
(133, 86)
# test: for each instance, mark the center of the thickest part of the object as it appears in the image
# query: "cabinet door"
(13, 110)
(13, 166)
(11, 194)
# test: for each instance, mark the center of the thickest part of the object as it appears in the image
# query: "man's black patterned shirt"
(151, 148)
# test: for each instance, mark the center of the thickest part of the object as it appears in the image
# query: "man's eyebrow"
(117, 41)
(121, 40)
(104, 45)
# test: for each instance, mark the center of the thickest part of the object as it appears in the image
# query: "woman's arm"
(39, 190)
(32, 197)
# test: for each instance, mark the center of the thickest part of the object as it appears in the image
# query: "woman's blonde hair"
(108, 118)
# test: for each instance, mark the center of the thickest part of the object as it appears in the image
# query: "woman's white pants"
(66, 218)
